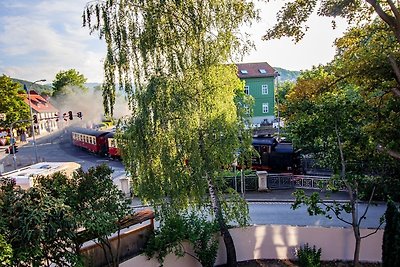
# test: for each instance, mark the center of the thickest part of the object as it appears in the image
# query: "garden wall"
(280, 242)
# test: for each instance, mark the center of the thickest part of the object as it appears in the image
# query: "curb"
(292, 200)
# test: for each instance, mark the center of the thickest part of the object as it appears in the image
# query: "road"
(58, 147)
(281, 213)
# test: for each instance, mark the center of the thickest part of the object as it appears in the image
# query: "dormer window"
(244, 72)
(263, 71)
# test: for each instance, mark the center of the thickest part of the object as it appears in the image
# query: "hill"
(287, 75)
(39, 88)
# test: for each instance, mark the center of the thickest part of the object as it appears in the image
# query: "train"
(274, 156)
(98, 142)
(271, 156)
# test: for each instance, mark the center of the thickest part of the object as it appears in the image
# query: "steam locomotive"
(274, 156)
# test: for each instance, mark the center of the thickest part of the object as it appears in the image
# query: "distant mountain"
(287, 75)
(92, 85)
(39, 88)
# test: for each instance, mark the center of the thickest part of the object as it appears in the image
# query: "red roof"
(38, 103)
(255, 70)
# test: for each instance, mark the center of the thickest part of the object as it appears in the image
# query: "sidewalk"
(276, 195)
(286, 195)
(7, 159)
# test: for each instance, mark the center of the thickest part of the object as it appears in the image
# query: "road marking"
(102, 160)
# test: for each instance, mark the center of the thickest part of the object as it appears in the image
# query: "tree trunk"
(356, 258)
(231, 260)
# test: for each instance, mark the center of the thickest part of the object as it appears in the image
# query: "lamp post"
(32, 124)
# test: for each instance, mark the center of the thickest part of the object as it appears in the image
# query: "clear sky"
(38, 38)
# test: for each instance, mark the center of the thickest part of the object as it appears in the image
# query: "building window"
(246, 90)
(244, 72)
(263, 71)
(265, 108)
(264, 89)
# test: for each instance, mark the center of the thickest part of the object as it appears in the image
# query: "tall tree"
(293, 17)
(12, 103)
(188, 110)
(329, 120)
(67, 81)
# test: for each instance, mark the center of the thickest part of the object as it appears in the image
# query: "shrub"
(391, 236)
(178, 227)
(309, 257)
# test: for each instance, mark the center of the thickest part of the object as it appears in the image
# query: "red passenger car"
(113, 150)
(91, 140)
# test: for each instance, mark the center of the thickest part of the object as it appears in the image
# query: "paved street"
(271, 207)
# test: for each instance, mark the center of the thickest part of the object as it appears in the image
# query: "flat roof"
(42, 168)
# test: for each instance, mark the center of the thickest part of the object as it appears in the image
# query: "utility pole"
(32, 124)
(12, 141)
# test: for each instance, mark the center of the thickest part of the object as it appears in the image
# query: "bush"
(309, 257)
(178, 227)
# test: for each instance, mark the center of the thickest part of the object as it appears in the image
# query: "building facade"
(259, 81)
(44, 112)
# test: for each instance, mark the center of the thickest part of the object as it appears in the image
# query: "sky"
(39, 38)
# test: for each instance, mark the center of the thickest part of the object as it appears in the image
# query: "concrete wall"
(280, 242)
(131, 244)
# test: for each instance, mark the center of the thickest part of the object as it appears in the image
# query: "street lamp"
(33, 127)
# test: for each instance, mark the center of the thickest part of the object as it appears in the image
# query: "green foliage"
(188, 118)
(12, 104)
(96, 203)
(188, 35)
(309, 257)
(41, 223)
(39, 227)
(292, 19)
(391, 236)
(6, 252)
(66, 82)
(315, 206)
(176, 228)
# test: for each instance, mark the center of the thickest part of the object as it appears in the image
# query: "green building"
(260, 84)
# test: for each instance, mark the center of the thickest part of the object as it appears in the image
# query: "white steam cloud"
(90, 103)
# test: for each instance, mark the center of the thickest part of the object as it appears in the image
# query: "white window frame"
(246, 89)
(264, 89)
(265, 108)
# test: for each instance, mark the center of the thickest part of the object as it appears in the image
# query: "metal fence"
(279, 181)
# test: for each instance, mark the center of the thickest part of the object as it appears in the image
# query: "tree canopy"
(65, 81)
(188, 104)
(12, 103)
(40, 225)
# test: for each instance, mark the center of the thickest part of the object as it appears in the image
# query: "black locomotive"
(274, 156)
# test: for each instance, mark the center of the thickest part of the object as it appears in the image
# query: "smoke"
(90, 103)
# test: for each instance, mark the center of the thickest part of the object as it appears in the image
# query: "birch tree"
(189, 107)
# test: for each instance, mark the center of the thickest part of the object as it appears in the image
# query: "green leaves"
(5, 252)
(177, 228)
(11, 103)
(41, 223)
(66, 82)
